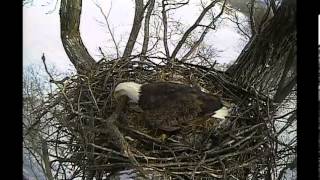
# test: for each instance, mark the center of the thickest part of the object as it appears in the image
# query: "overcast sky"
(41, 30)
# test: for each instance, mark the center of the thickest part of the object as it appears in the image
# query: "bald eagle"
(168, 106)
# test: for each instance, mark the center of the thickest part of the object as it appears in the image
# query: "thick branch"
(261, 62)
(264, 18)
(137, 21)
(165, 28)
(146, 29)
(252, 23)
(288, 65)
(285, 91)
(70, 11)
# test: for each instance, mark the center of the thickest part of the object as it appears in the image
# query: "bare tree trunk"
(70, 11)
(137, 21)
(265, 58)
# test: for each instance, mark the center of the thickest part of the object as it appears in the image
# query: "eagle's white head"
(130, 89)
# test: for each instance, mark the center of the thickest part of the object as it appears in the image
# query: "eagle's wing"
(168, 107)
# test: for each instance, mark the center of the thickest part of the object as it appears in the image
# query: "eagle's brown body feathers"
(168, 106)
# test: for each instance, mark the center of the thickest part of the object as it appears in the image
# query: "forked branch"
(187, 33)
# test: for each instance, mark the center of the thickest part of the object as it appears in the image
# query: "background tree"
(34, 143)
(269, 59)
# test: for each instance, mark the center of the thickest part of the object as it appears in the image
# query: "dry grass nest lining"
(236, 147)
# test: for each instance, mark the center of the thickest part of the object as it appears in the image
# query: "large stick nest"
(103, 140)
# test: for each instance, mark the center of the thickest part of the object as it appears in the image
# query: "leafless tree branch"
(187, 33)
(240, 26)
(109, 28)
(291, 165)
(204, 33)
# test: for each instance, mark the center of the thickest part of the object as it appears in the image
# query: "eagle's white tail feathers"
(221, 113)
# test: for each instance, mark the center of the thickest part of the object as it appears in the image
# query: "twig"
(198, 165)
(223, 168)
(109, 28)
(187, 33)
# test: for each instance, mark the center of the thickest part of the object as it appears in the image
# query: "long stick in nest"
(117, 137)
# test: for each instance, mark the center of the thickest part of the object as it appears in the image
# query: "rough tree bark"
(70, 11)
(268, 60)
